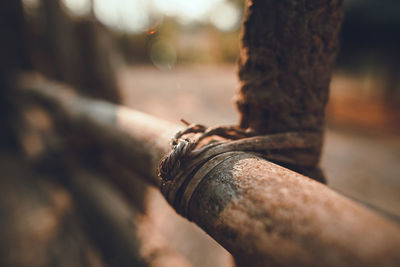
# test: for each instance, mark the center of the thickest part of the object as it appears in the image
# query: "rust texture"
(286, 57)
(264, 214)
(287, 51)
(195, 148)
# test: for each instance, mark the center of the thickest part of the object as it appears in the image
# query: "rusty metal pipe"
(135, 139)
(270, 216)
(262, 213)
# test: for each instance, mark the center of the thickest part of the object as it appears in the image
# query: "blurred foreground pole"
(125, 236)
(287, 52)
(264, 214)
(13, 55)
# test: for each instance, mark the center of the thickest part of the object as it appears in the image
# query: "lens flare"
(163, 55)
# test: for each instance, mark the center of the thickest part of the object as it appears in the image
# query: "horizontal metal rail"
(262, 213)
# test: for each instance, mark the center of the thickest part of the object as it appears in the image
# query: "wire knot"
(182, 147)
(191, 159)
(169, 165)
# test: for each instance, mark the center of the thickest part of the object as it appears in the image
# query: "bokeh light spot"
(226, 17)
(77, 7)
(125, 15)
(163, 55)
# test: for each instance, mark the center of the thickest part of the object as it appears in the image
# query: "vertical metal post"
(287, 52)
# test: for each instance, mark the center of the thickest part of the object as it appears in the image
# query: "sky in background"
(136, 16)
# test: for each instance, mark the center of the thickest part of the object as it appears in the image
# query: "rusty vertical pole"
(287, 52)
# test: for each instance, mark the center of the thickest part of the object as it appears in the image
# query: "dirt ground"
(362, 165)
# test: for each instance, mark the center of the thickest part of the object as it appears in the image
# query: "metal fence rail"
(262, 213)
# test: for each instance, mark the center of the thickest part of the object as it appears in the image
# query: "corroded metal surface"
(267, 215)
(286, 56)
(262, 213)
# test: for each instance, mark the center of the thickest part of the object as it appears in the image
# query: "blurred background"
(171, 37)
(177, 59)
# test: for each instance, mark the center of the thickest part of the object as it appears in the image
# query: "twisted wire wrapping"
(182, 148)
(188, 157)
